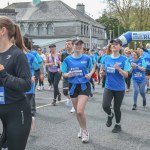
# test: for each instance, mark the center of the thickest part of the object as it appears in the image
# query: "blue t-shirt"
(39, 59)
(78, 66)
(93, 59)
(146, 57)
(33, 64)
(114, 80)
(137, 74)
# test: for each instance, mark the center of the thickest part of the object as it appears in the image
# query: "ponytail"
(14, 33)
(18, 38)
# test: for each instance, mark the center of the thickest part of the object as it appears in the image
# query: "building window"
(84, 30)
(22, 29)
(81, 29)
(87, 31)
(40, 29)
(31, 29)
(49, 29)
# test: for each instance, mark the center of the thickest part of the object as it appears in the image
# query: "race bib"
(2, 98)
(138, 74)
(110, 69)
(76, 72)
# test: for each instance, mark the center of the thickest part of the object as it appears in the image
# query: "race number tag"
(138, 74)
(76, 72)
(110, 69)
(2, 99)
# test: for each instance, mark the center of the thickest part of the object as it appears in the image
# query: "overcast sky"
(93, 8)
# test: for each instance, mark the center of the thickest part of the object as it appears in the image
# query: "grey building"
(53, 22)
(11, 13)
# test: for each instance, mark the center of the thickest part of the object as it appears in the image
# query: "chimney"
(80, 7)
(8, 3)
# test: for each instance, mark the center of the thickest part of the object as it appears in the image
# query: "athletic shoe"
(72, 110)
(54, 102)
(80, 134)
(109, 120)
(59, 97)
(134, 107)
(49, 88)
(85, 136)
(144, 103)
(39, 88)
(117, 128)
(68, 103)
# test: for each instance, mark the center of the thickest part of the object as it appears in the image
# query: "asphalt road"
(57, 128)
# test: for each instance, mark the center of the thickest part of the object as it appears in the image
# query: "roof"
(49, 11)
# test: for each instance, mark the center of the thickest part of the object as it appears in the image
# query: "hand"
(1, 67)
(69, 74)
(141, 45)
(102, 73)
(116, 66)
(88, 76)
(58, 62)
(133, 65)
(33, 79)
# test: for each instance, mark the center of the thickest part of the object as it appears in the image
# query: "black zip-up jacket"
(16, 77)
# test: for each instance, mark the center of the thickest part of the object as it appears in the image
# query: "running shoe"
(134, 107)
(59, 97)
(85, 136)
(54, 102)
(109, 120)
(39, 88)
(117, 128)
(72, 110)
(80, 133)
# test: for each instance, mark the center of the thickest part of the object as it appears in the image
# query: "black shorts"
(65, 83)
(78, 91)
(147, 72)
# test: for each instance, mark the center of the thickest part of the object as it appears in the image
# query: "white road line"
(50, 104)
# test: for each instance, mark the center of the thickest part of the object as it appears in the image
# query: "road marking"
(42, 106)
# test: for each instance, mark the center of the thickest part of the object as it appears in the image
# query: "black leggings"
(55, 78)
(17, 121)
(118, 96)
(49, 79)
(31, 100)
(128, 81)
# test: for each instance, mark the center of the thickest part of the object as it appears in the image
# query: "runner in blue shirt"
(76, 68)
(116, 68)
(138, 68)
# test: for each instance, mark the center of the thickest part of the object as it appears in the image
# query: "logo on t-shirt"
(83, 62)
(8, 56)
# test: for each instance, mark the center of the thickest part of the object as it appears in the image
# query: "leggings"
(31, 100)
(128, 81)
(16, 118)
(49, 79)
(139, 86)
(55, 78)
(118, 98)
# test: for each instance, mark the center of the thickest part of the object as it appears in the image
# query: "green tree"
(111, 24)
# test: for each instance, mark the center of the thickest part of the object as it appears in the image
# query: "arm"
(22, 81)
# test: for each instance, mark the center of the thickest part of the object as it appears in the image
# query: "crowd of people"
(23, 72)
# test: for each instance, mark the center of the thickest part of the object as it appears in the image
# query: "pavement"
(57, 128)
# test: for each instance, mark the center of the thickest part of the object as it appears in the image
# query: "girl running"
(138, 68)
(54, 72)
(116, 68)
(15, 80)
(76, 68)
